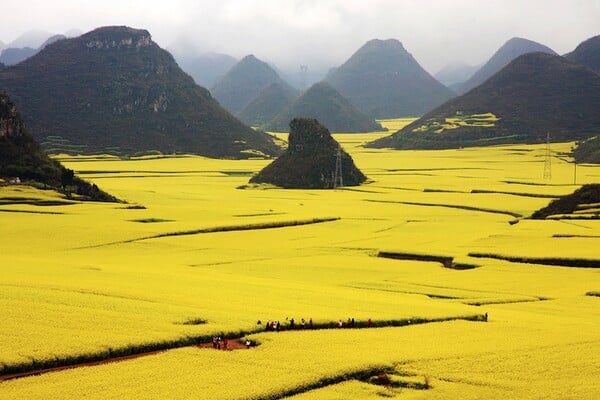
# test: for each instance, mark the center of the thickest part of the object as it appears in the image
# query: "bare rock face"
(11, 124)
(313, 160)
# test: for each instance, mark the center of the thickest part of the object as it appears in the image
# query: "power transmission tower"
(548, 159)
(338, 179)
(303, 73)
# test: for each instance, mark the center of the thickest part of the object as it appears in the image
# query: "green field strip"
(34, 201)
(31, 211)
(226, 228)
(459, 207)
(544, 196)
(551, 261)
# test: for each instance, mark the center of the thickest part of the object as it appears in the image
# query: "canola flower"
(73, 282)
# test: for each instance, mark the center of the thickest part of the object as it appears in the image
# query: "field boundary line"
(225, 228)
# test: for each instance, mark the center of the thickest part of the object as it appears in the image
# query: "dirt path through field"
(233, 344)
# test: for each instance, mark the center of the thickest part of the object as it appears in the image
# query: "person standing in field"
(278, 326)
(340, 324)
(248, 343)
(369, 322)
(302, 323)
(310, 323)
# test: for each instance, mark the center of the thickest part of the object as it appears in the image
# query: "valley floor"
(192, 256)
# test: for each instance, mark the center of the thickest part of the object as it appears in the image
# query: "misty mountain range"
(114, 90)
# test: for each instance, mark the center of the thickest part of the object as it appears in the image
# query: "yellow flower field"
(184, 260)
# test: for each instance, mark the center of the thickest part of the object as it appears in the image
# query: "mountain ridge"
(120, 93)
(384, 80)
(535, 94)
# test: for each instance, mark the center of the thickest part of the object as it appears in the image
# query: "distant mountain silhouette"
(504, 55)
(115, 90)
(32, 38)
(12, 56)
(327, 105)
(207, 68)
(588, 151)
(22, 158)
(268, 104)
(310, 160)
(455, 74)
(244, 81)
(535, 94)
(383, 80)
(587, 53)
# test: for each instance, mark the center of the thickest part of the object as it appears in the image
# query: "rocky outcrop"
(313, 160)
(11, 124)
(22, 160)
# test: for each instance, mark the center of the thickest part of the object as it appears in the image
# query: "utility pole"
(548, 160)
(338, 179)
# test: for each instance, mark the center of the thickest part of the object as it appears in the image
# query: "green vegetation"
(322, 102)
(244, 82)
(485, 120)
(383, 80)
(554, 261)
(584, 202)
(534, 95)
(588, 151)
(113, 90)
(22, 160)
(310, 161)
(270, 101)
(587, 53)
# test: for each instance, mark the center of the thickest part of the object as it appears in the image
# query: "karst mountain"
(587, 53)
(535, 95)
(22, 160)
(313, 160)
(114, 90)
(384, 80)
(321, 101)
(510, 50)
(244, 82)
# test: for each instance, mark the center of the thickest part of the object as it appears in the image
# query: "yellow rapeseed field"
(91, 279)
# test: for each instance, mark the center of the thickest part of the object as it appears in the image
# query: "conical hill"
(535, 95)
(114, 90)
(313, 160)
(384, 80)
(323, 102)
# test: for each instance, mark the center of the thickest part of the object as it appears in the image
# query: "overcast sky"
(321, 33)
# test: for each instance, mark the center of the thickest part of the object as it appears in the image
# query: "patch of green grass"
(151, 220)
(553, 261)
(485, 120)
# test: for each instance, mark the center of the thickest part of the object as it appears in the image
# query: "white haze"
(320, 33)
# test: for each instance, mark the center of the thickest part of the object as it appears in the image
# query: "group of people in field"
(275, 326)
(220, 343)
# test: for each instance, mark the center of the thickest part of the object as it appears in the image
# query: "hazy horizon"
(322, 34)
